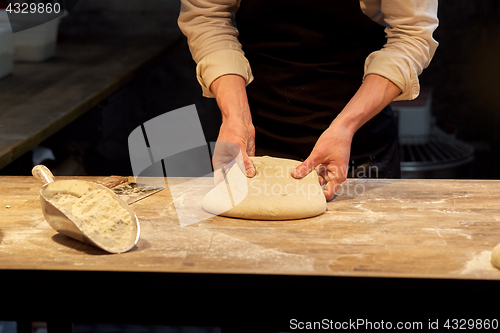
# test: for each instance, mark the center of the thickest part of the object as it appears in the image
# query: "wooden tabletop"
(386, 250)
(39, 99)
(375, 228)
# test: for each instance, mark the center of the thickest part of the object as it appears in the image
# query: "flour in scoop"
(99, 216)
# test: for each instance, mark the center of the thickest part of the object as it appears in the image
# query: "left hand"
(330, 157)
(331, 153)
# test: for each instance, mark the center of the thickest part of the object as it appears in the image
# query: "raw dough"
(273, 194)
(495, 256)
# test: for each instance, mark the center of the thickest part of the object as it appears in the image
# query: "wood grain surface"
(39, 99)
(375, 228)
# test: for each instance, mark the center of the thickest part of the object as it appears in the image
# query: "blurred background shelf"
(39, 99)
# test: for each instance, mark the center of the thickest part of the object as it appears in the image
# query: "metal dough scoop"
(63, 224)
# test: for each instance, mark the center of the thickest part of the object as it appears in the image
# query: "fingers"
(245, 163)
(304, 168)
(322, 174)
(250, 151)
(249, 167)
(218, 176)
(329, 178)
(251, 142)
(224, 157)
(226, 154)
(334, 181)
(331, 187)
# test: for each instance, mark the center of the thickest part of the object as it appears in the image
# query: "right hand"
(236, 138)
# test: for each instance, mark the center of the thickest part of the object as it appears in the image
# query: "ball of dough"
(273, 194)
(495, 256)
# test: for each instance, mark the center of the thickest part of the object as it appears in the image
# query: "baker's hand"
(330, 157)
(236, 140)
(331, 153)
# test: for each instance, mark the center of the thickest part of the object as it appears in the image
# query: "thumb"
(304, 168)
(246, 164)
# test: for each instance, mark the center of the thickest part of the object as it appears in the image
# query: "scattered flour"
(99, 216)
(479, 264)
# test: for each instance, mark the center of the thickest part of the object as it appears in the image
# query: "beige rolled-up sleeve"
(213, 40)
(410, 45)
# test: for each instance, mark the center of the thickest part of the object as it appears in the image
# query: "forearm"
(237, 128)
(332, 150)
(374, 94)
(230, 93)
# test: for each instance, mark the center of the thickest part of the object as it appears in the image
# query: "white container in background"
(6, 52)
(414, 117)
(6, 45)
(37, 43)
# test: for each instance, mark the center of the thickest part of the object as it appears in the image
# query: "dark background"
(463, 76)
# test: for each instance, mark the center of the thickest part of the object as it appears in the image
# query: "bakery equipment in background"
(6, 45)
(28, 37)
(425, 150)
(37, 43)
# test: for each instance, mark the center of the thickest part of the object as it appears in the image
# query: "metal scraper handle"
(43, 174)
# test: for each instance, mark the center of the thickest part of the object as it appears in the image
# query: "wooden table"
(39, 99)
(383, 248)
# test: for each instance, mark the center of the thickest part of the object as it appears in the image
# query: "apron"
(307, 58)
